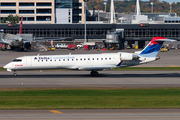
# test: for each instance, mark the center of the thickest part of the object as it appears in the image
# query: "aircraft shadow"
(170, 75)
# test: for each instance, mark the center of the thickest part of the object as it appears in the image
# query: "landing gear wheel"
(94, 73)
(14, 74)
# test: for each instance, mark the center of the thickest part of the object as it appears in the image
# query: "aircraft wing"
(4, 42)
(91, 67)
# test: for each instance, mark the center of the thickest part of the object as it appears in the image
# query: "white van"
(61, 45)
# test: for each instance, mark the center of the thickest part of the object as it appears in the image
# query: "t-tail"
(152, 49)
(20, 28)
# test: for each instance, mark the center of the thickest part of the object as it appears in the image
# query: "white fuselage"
(76, 62)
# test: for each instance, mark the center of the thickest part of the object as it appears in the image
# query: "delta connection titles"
(50, 58)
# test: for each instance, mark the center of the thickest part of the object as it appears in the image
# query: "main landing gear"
(94, 73)
(14, 74)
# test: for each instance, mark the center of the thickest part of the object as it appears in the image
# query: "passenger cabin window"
(101, 58)
(17, 60)
(92, 58)
(97, 58)
(76, 59)
(109, 58)
(105, 58)
(59, 60)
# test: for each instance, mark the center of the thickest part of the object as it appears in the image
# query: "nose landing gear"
(14, 74)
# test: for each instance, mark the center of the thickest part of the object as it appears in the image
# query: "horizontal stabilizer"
(166, 40)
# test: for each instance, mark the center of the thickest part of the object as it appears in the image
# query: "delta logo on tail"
(154, 46)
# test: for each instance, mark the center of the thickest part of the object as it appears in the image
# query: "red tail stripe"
(20, 28)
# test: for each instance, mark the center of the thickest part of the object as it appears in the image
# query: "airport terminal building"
(132, 32)
(65, 19)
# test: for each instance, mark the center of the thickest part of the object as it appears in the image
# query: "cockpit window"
(17, 60)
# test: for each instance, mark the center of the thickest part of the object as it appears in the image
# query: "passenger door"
(28, 61)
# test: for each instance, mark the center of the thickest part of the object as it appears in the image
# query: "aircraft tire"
(14, 74)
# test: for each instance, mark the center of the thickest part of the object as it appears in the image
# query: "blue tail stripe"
(152, 50)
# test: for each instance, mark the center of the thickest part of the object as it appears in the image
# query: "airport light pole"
(152, 7)
(170, 7)
(105, 3)
(85, 20)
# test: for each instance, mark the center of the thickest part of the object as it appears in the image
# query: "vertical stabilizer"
(152, 49)
(20, 28)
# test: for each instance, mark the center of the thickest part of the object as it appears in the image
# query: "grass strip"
(131, 68)
(90, 98)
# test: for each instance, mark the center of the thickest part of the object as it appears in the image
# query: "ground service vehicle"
(61, 46)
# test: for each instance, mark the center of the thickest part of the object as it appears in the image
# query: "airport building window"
(43, 18)
(26, 4)
(43, 11)
(8, 4)
(8, 11)
(26, 12)
(43, 4)
(63, 3)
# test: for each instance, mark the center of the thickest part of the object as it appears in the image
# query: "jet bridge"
(115, 40)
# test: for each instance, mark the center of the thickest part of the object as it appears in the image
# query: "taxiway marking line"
(174, 66)
(55, 111)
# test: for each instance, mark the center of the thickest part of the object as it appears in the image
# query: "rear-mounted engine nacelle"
(128, 56)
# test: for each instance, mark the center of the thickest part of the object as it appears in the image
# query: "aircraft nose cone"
(5, 67)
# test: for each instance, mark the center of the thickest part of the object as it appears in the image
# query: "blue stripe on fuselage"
(119, 63)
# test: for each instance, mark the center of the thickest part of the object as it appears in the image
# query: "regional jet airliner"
(89, 62)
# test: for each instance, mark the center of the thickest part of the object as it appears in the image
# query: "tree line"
(128, 6)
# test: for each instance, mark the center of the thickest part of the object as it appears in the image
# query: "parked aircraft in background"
(16, 41)
(89, 62)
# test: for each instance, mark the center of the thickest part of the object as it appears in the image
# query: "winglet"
(20, 28)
